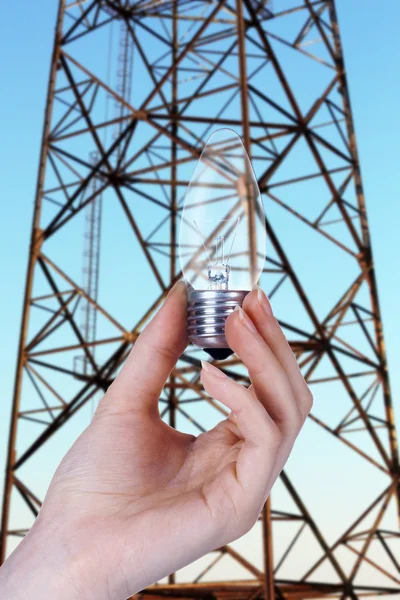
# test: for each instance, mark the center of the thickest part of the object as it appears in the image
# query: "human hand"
(134, 499)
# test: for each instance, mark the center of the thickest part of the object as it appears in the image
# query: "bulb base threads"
(207, 312)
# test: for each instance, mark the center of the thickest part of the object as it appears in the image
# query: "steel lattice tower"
(276, 74)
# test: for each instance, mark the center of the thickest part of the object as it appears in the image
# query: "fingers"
(258, 307)
(154, 355)
(269, 414)
(257, 456)
(269, 380)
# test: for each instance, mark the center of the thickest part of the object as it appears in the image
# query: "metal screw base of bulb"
(207, 312)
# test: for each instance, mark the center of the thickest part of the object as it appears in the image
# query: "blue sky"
(370, 40)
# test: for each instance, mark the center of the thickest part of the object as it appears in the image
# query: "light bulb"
(222, 242)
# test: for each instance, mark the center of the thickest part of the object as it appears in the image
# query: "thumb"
(140, 382)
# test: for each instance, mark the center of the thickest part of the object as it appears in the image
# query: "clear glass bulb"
(222, 242)
(222, 233)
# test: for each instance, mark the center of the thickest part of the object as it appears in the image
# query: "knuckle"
(299, 418)
(308, 400)
(248, 522)
(165, 352)
(251, 516)
(294, 420)
(243, 523)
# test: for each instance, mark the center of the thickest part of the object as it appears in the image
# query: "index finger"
(269, 380)
(154, 355)
(258, 307)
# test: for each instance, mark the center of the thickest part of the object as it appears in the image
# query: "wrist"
(43, 567)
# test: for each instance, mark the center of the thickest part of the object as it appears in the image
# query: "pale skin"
(134, 500)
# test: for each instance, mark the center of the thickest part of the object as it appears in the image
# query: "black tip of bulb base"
(219, 353)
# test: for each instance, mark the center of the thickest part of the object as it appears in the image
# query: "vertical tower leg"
(34, 249)
(268, 552)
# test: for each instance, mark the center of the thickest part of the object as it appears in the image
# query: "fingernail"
(245, 319)
(262, 299)
(211, 369)
(232, 416)
(178, 287)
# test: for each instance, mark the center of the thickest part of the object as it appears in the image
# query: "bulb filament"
(218, 272)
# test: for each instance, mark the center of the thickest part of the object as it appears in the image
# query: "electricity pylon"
(276, 75)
